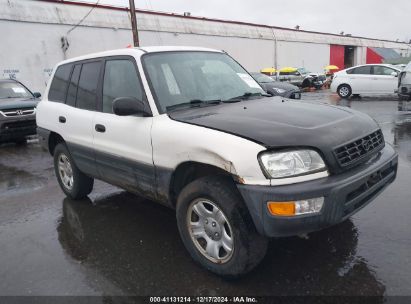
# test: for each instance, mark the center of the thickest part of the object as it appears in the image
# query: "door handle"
(100, 128)
(62, 119)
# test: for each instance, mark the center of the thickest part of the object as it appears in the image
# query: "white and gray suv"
(191, 129)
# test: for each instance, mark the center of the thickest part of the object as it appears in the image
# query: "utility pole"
(134, 23)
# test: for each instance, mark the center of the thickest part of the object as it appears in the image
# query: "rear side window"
(87, 86)
(58, 87)
(120, 80)
(382, 70)
(72, 90)
(363, 70)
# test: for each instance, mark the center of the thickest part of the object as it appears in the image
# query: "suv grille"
(356, 150)
(18, 112)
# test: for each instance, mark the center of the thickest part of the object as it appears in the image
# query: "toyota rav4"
(191, 129)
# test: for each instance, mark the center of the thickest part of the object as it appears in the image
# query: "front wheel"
(344, 91)
(216, 228)
(74, 183)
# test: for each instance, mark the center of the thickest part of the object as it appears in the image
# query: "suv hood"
(277, 123)
(13, 103)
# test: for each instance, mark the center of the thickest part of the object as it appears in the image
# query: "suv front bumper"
(17, 127)
(344, 194)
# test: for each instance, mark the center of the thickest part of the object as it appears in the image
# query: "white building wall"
(31, 52)
(253, 54)
(31, 34)
(314, 57)
(360, 55)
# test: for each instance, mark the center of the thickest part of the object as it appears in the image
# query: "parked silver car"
(277, 88)
(302, 78)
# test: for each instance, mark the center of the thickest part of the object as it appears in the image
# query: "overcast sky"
(371, 18)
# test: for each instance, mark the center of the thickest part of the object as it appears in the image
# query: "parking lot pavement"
(115, 243)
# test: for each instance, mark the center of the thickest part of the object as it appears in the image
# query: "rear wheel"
(344, 91)
(216, 228)
(74, 183)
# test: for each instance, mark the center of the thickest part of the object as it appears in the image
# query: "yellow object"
(281, 208)
(288, 70)
(268, 71)
(331, 67)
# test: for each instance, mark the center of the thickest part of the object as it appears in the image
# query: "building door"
(349, 56)
(337, 55)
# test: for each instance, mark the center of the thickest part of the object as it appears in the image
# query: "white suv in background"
(191, 129)
(366, 79)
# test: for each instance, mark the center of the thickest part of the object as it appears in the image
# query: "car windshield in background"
(262, 78)
(303, 71)
(11, 89)
(192, 78)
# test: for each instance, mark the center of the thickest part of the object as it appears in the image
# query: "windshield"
(262, 78)
(303, 71)
(183, 77)
(11, 89)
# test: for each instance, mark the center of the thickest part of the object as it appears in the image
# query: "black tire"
(344, 91)
(249, 247)
(81, 185)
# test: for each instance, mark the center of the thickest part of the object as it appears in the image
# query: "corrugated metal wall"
(31, 34)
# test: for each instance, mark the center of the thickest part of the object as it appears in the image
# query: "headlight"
(291, 163)
(279, 91)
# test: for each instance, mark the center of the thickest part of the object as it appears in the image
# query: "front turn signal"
(282, 208)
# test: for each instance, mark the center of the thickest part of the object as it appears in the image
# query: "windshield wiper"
(245, 96)
(193, 102)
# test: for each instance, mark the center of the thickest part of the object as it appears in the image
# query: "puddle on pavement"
(13, 180)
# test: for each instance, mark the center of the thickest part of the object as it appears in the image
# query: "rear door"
(360, 79)
(81, 103)
(384, 81)
(123, 143)
(71, 109)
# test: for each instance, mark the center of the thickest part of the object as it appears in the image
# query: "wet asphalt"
(115, 243)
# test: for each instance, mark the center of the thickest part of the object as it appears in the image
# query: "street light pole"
(134, 23)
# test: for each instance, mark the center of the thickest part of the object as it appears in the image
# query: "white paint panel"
(185, 142)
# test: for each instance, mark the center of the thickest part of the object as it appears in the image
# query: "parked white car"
(366, 79)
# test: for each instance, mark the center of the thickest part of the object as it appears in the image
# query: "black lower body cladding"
(344, 194)
(43, 135)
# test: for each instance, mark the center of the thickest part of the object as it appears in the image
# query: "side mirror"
(36, 94)
(394, 74)
(126, 106)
